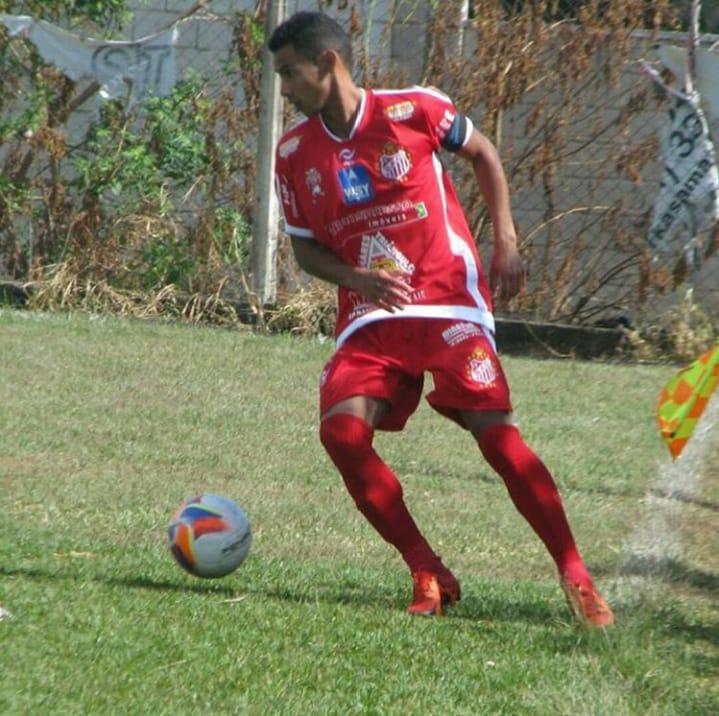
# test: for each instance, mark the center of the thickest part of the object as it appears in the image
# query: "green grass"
(106, 425)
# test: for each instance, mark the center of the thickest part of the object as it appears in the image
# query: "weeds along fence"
(156, 201)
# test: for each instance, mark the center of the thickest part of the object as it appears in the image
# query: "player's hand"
(386, 289)
(507, 276)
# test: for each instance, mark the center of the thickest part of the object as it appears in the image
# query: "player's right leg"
(362, 390)
(347, 434)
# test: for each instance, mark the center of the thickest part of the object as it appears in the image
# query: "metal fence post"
(264, 238)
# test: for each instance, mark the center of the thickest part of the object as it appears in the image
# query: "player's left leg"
(471, 388)
(536, 497)
(530, 486)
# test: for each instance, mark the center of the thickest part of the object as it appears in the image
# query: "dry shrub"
(682, 334)
(310, 310)
(552, 84)
(65, 289)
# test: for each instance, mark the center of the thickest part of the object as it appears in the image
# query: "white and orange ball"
(209, 535)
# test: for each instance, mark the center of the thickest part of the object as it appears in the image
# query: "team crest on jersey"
(313, 179)
(378, 252)
(288, 147)
(400, 112)
(481, 369)
(394, 162)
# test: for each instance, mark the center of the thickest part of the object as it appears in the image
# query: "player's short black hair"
(310, 34)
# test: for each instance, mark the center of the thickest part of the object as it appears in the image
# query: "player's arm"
(507, 275)
(386, 289)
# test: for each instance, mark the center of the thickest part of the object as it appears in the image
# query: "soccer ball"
(209, 535)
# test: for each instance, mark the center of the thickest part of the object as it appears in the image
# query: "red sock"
(534, 494)
(374, 487)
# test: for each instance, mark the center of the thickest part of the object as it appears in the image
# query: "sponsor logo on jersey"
(346, 155)
(459, 332)
(377, 217)
(400, 112)
(286, 148)
(446, 121)
(378, 252)
(481, 369)
(313, 179)
(360, 305)
(287, 196)
(356, 185)
(394, 162)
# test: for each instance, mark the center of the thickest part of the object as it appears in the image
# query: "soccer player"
(369, 207)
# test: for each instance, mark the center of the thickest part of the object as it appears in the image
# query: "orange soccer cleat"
(432, 592)
(587, 605)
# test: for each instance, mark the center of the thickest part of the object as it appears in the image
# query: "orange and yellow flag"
(683, 399)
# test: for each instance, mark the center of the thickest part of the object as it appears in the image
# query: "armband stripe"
(458, 133)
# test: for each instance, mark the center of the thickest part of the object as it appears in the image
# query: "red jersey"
(382, 199)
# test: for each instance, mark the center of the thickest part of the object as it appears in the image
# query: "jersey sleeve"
(294, 220)
(449, 128)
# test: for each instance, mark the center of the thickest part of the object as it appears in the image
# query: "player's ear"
(327, 60)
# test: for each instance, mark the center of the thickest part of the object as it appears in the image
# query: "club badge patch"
(394, 162)
(480, 368)
(313, 179)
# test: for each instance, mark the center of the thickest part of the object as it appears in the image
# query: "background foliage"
(160, 199)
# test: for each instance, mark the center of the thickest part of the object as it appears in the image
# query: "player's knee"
(346, 436)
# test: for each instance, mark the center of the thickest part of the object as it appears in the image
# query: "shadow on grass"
(363, 592)
(484, 604)
(359, 592)
(129, 582)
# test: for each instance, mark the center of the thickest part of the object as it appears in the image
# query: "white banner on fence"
(706, 80)
(688, 200)
(145, 64)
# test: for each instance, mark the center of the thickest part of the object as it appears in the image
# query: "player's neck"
(340, 112)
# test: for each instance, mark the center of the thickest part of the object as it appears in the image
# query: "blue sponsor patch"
(355, 183)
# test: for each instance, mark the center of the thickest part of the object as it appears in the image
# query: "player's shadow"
(149, 583)
(474, 606)
(358, 593)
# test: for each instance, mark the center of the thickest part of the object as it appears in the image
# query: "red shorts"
(387, 359)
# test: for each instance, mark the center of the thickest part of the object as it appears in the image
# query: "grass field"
(106, 425)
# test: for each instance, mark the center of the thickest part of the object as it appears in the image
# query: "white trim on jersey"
(433, 93)
(481, 317)
(459, 247)
(355, 125)
(416, 88)
(289, 229)
(298, 232)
